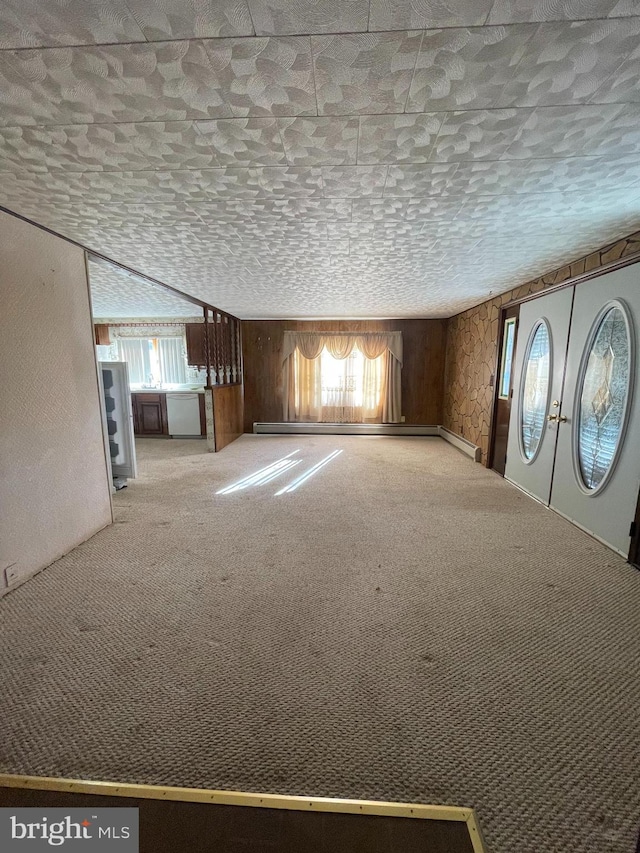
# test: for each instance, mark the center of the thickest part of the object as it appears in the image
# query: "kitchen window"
(154, 362)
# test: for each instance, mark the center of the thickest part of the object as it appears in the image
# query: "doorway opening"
(504, 388)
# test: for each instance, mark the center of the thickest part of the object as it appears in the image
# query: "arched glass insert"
(535, 390)
(604, 390)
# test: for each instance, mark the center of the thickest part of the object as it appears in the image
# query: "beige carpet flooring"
(406, 626)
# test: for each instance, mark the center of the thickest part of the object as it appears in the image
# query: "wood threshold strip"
(243, 798)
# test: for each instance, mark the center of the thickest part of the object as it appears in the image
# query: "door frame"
(569, 282)
(493, 422)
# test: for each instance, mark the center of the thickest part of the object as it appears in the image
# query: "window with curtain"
(342, 377)
(172, 361)
(135, 351)
(351, 389)
(154, 361)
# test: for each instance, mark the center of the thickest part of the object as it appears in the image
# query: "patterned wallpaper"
(472, 345)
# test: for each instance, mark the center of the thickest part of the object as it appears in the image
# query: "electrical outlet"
(9, 573)
(402, 418)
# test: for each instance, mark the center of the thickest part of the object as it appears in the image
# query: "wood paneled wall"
(472, 346)
(422, 371)
(227, 414)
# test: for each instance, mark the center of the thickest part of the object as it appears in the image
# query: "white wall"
(54, 487)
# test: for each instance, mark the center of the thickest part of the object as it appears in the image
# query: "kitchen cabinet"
(101, 331)
(196, 352)
(149, 414)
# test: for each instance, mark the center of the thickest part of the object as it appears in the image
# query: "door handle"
(561, 419)
(552, 417)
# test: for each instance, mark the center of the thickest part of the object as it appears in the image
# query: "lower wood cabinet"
(149, 414)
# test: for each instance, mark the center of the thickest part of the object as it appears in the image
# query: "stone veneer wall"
(472, 346)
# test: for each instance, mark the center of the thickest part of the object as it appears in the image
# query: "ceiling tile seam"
(465, 197)
(253, 23)
(337, 117)
(503, 157)
(43, 169)
(135, 20)
(278, 118)
(322, 186)
(590, 100)
(413, 73)
(491, 7)
(338, 33)
(384, 185)
(192, 209)
(607, 159)
(194, 125)
(281, 138)
(443, 120)
(513, 70)
(259, 169)
(313, 75)
(433, 112)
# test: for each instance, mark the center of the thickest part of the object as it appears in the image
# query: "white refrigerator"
(118, 414)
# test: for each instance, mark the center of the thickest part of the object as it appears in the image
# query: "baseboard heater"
(285, 428)
(461, 443)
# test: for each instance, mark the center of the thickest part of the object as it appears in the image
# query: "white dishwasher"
(183, 414)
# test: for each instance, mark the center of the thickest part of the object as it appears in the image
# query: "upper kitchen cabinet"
(101, 331)
(196, 352)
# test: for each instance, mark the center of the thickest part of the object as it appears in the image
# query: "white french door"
(574, 440)
(597, 472)
(537, 392)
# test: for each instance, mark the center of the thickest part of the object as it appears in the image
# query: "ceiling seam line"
(313, 75)
(413, 73)
(513, 71)
(334, 34)
(604, 82)
(137, 23)
(281, 138)
(416, 113)
(253, 23)
(491, 7)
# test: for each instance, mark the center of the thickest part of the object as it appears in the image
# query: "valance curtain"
(380, 382)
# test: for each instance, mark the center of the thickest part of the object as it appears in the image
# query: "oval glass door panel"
(535, 390)
(603, 397)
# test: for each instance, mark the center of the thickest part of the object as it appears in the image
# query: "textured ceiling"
(119, 295)
(336, 158)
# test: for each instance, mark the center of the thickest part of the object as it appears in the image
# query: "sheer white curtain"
(135, 351)
(342, 377)
(173, 365)
(341, 380)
